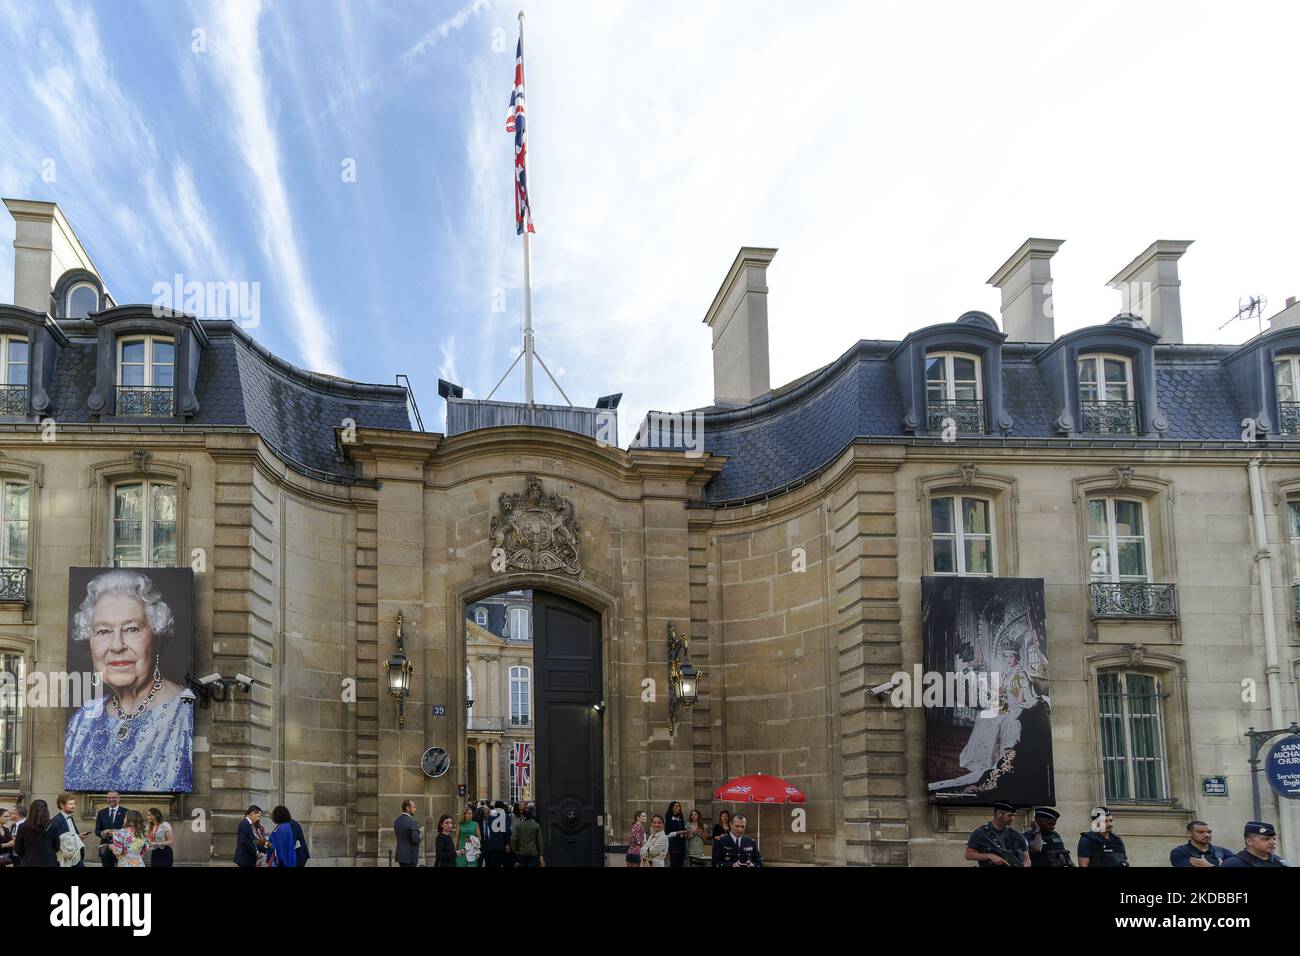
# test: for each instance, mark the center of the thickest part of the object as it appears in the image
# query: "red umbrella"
(759, 788)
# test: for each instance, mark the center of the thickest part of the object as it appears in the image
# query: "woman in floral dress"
(130, 842)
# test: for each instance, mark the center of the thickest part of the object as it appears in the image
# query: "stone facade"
(799, 593)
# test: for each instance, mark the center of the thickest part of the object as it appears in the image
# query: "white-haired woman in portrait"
(136, 736)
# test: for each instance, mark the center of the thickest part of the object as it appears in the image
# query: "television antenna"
(1249, 307)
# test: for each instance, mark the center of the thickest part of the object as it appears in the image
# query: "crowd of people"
(676, 840)
(492, 834)
(998, 843)
(30, 835)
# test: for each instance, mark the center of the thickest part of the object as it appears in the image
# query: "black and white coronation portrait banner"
(988, 730)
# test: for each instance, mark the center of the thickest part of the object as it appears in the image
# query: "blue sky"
(896, 153)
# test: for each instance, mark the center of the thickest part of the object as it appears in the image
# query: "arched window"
(146, 375)
(520, 696)
(144, 525)
(82, 299)
(1106, 403)
(481, 616)
(954, 390)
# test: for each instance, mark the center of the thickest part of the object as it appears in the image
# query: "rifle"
(992, 846)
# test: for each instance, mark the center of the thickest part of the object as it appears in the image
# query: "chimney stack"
(1149, 287)
(738, 319)
(1025, 281)
(45, 247)
(1288, 317)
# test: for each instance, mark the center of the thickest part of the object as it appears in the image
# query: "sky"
(351, 159)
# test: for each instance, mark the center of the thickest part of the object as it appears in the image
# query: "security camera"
(880, 691)
(245, 682)
(210, 680)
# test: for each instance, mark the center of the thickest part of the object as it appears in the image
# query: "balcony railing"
(13, 584)
(146, 401)
(521, 721)
(968, 416)
(1133, 599)
(1289, 417)
(1109, 418)
(14, 399)
(1295, 600)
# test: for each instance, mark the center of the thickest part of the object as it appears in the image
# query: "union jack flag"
(521, 770)
(516, 123)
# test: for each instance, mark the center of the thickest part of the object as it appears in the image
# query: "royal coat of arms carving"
(536, 532)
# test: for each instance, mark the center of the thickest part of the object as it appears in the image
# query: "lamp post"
(683, 678)
(399, 672)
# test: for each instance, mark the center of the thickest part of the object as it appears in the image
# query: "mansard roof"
(792, 434)
(241, 383)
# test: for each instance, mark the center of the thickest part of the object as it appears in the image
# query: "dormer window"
(481, 616)
(146, 376)
(82, 299)
(953, 392)
(1286, 375)
(14, 362)
(1106, 404)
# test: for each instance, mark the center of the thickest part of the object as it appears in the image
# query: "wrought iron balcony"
(491, 724)
(968, 416)
(15, 399)
(13, 584)
(1295, 600)
(521, 721)
(1133, 599)
(1289, 417)
(146, 401)
(1109, 418)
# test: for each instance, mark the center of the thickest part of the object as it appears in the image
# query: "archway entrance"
(535, 728)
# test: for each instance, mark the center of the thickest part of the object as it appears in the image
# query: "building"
(1153, 486)
(498, 684)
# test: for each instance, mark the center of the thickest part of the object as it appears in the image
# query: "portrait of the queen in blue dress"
(136, 735)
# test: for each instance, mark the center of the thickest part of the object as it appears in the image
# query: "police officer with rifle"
(998, 843)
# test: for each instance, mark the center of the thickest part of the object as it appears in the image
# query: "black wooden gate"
(570, 773)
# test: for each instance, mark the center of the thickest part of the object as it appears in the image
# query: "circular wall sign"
(435, 762)
(1283, 767)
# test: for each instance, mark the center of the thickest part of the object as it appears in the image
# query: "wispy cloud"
(241, 75)
(393, 73)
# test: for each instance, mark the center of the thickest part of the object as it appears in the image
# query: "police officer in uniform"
(734, 848)
(1102, 846)
(998, 843)
(1198, 851)
(1046, 848)
(1261, 841)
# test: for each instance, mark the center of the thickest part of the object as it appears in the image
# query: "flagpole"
(528, 282)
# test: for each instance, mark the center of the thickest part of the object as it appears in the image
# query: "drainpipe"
(1272, 670)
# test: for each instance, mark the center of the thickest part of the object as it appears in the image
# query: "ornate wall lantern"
(399, 671)
(683, 679)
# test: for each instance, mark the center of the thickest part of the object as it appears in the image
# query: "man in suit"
(407, 830)
(246, 838)
(111, 818)
(62, 823)
(734, 848)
